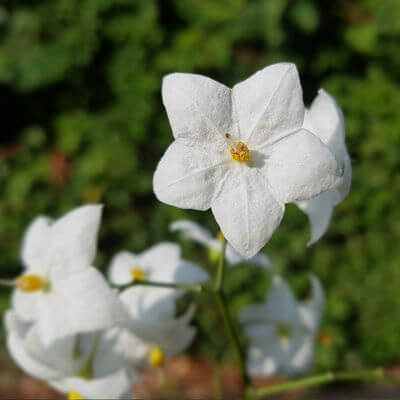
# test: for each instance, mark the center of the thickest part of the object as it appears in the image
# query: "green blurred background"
(82, 121)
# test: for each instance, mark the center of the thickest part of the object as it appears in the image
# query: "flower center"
(73, 395)
(31, 283)
(284, 331)
(220, 236)
(138, 274)
(240, 152)
(156, 356)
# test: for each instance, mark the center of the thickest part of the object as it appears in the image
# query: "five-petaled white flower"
(59, 288)
(282, 331)
(160, 263)
(194, 231)
(242, 152)
(325, 119)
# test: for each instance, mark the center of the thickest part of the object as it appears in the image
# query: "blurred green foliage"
(82, 121)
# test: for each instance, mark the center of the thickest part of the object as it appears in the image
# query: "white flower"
(160, 263)
(81, 365)
(153, 332)
(194, 231)
(59, 288)
(109, 375)
(242, 152)
(325, 119)
(282, 331)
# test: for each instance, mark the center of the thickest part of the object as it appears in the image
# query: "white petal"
(192, 230)
(247, 212)
(311, 311)
(344, 187)
(259, 363)
(301, 359)
(281, 303)
(58, 356)
(25, 304)
(319, 211)
(35, 245)
(184, 272)
(82, 303)
(199, 109)
(177, 335)
(28, 363)
(74, 241)
(300, 167)
(187, 177)
(164, 255)
(269, 104)
(146, 302)
(325, 120)
(13, 324)
(121, 265)
(132, 348)
(113, 386)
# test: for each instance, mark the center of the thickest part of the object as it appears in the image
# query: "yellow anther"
(220, 236)
(324, 338)
(156, 357)
(73, 395)
(31, 283)
(240, 153)
(284, 331)
(138, 274)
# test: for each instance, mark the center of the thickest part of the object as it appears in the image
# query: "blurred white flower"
(160, 263)
(107, 377)
(153, 332)
(85, 366)
(325, 119)
(59, 288)
(192, 230)
(282, 331)
(242, 152)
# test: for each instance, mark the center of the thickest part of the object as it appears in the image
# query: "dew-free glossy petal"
(199, 109)
(269, 104)
(188, 177)
(300, 166)
(247, 212)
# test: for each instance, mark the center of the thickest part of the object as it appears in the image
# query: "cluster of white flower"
(244, 153)
(68, 327)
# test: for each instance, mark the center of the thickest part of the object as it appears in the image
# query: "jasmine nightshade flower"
(59, 288)
(161, 263)
(242, 152)
(194, 231)
(325, 119)
(153, 332)
(282, 331)
(84, 366)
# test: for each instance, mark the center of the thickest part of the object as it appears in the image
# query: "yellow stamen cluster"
(73, 395)
(156, 357)
(240, 153)
(138, 274)
(220, 236)
(31, 283)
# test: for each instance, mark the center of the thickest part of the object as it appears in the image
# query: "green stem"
(317, 380)
(198, 288)
(227, 320)
(221, 267)
(8, 282)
